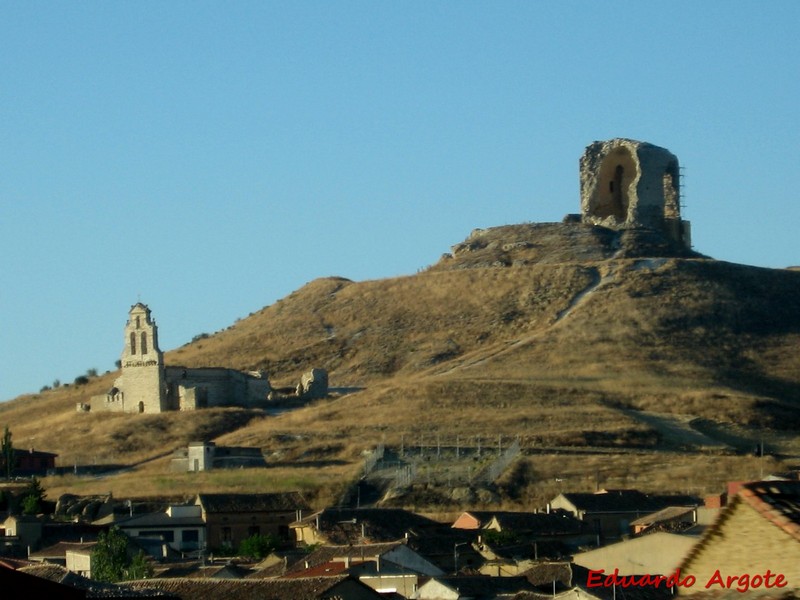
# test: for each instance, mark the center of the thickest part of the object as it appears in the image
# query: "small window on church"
(144, 343)
(137, 322)
(133, 343)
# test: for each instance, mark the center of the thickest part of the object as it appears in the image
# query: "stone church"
(148, 386)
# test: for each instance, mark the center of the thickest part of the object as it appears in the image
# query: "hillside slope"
(561, 334)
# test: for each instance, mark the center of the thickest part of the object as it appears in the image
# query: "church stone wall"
(146, 385)
(215, 386)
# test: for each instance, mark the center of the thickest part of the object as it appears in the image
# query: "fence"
(496, 468)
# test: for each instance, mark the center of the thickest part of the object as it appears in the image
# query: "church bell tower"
(142, 363)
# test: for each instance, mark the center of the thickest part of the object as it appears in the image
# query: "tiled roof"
(554, 523)
(437, 546)
(195, 569)
(327, 554)
(626, 501)
(276, 564)
(16, 583)
(275, 502)
(312, 588)
(14, 563)
(59, 550)
(665, 514)
(268, 572)
(328, 569)
(159, 519)
(359, 525)
(680, 527)
(482, 516)
(776, 501)
(545, 573)
(483, 586)
(94, 589)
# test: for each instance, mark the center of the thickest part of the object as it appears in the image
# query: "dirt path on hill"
(599, 281)
(676, 430)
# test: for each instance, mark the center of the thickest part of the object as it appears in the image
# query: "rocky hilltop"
(553, 243)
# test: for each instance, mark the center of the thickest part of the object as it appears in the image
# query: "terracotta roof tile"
(311, 588)
(326, 554)
(360, 525)
(777, 501)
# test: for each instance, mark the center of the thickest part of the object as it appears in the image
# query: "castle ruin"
(630, 184)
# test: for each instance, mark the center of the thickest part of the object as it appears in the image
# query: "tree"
(7, 453)
(110, 556)
(139, 568)
(258, 546)
(33, 497)
(501, 538)
(111, 561)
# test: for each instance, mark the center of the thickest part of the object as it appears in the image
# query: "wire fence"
(496, 468)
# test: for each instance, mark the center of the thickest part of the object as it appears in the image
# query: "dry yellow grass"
(550, 351)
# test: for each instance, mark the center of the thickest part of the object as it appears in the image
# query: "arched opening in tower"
(612, 195)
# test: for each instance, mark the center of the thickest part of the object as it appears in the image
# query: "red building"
(33, 462)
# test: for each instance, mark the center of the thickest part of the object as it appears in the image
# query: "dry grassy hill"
(615, 357)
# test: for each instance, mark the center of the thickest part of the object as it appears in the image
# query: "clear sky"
(208, 158)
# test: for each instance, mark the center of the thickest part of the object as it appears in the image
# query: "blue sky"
(209, 158)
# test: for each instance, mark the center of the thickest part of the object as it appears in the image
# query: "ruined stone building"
(148, 386)
(628, 184)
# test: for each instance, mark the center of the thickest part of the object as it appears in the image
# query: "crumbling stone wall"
(626, 183)
(313, 384)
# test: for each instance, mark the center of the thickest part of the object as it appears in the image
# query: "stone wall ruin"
(629, 184)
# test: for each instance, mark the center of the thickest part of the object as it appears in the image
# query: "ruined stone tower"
(142, 363)
(629, 184)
